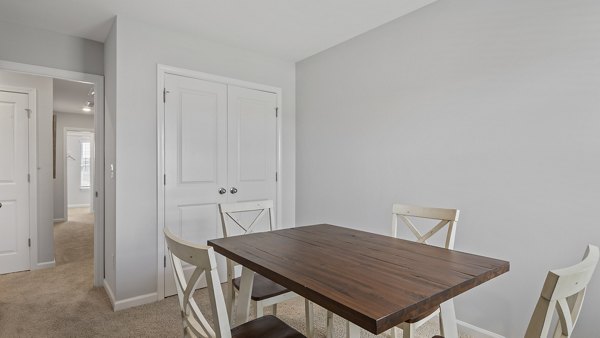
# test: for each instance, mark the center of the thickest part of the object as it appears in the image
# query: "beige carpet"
(61, 302)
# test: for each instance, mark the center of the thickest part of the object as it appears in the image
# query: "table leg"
(448, 325)
(352, 330)
(243, 298)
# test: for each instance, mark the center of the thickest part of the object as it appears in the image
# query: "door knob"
(222, 191)
(233, 190)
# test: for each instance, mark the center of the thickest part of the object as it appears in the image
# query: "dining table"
(375, 282)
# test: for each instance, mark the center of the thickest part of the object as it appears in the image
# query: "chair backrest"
(203, 258)
(446, 217)
(563, 290)
(229, 210)
(230, 222)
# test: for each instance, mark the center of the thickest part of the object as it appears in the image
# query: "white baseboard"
(475, 331)
(45, 265)
(134, 301)
(78, 206)
(58, 220)
(109, 292)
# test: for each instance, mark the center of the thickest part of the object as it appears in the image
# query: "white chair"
(563, 290)
(265, 292)
(446, 217)
(195, 323)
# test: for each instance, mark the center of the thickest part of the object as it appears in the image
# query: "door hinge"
(28, 113)
(29, 242)
(165, 92)
(165, 261)
(276, 177)
(276, 111)
(28, 178)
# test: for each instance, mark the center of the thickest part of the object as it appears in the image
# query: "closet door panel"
(195, 161)
(252, 144)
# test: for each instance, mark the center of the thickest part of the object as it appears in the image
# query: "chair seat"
(422, 315)
(265, 327)
(262, 288)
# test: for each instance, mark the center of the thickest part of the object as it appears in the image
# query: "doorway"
(44, 132)
(74, 154)
(78, 164)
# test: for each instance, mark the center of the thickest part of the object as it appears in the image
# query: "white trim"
(79, 205)
(474, 331)
(134, 301)
(45, 265)
(109, 292)
(98, 81)
(161, 70)
(32, 168)
(58, 220)
(160, 191)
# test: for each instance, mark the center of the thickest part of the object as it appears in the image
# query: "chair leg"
(448, 327)
(394, 332)
(329, 324)
(352, 330)
(408, 331)
(274, 309)
(310, 326)
(259, 309)
(230, 302)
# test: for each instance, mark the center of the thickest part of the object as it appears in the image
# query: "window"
(86, 153)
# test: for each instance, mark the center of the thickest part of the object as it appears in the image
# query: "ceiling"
(71, 96)
(287, 29)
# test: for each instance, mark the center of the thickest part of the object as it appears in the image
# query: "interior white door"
(195, 160)
(252, 149)
(14, 186)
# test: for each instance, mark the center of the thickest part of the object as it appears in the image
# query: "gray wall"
(43, 87)
(487, 106)
(139, 49)
(65, 120)
(28, 45)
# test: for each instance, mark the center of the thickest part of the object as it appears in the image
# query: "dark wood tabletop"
(374, 281)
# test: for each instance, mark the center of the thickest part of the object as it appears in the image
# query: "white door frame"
(98, 82)
(32, 146)
(66, 131)
(161, 71)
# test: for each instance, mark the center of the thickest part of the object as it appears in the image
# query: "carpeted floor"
(61, 302)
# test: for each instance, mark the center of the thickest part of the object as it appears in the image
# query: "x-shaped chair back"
(563, 290)
(446, 217)
(203, 258)
(230, 222)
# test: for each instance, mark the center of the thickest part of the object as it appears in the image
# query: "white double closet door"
(220, 146)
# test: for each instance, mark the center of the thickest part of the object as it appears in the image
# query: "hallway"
(61, 302)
